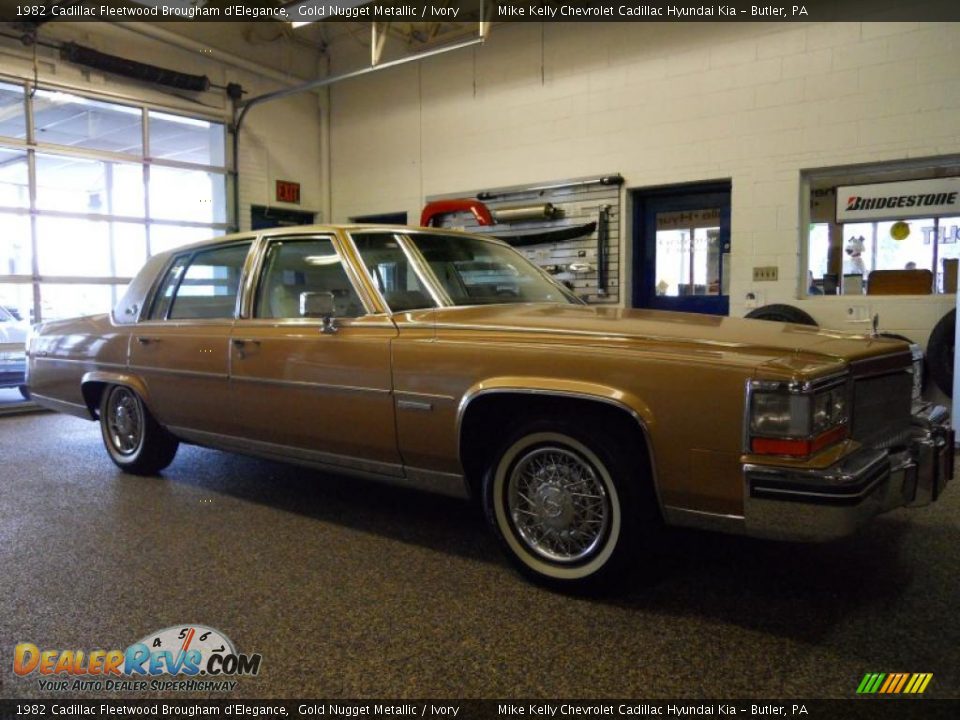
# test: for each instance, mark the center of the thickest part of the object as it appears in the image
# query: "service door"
(682, 249)
(302, 388)
(182, 349)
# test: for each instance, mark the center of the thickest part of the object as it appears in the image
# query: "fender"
(556, 387)
(134, 382)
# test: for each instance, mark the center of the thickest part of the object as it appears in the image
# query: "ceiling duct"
(88, 57)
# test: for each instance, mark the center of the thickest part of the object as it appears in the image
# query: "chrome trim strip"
(470, 397)
(414, 405)
(182, 373)
(424, 271)
(411, 393)
(251, 271)
(450, 484)
(288, 452)
(63, 406)
(76, 361)
(360, 322)
(302, 383)
(701, 520)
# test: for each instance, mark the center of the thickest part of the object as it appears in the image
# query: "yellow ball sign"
(899, 230)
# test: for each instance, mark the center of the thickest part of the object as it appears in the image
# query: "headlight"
(785, 420)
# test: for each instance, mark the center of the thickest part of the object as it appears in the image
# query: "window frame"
(819, 180)
(191, 255)
(262, 268)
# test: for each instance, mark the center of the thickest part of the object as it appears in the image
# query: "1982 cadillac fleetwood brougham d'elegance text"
(381, 351)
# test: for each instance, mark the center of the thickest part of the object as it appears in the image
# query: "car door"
(307, 386)
(182, 350)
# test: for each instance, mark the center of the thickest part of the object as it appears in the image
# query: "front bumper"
(790, 504)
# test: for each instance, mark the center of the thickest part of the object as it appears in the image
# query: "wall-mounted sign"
(898, 200)
(288, 192)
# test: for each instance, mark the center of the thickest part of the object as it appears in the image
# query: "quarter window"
(296, 268)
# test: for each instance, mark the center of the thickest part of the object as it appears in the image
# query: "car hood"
(784, 347)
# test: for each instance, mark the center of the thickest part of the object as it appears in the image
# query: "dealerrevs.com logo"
(205, 658)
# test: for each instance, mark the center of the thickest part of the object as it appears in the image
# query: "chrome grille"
(881, 409)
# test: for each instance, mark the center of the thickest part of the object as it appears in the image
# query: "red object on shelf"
(445, 207)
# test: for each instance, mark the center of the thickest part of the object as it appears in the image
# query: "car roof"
(316, 228)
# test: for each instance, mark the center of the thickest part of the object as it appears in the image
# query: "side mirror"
(319, 305)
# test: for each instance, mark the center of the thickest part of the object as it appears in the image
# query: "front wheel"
(134, 440)
(567, 505)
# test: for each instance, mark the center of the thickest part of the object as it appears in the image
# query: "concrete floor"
(351, 589)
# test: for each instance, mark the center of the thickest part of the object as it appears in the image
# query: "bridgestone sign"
(898, 200)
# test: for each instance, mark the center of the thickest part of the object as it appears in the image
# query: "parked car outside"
(13, 363)
(579, 429)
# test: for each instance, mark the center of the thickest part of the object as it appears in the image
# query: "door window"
(295, 268)
(205, 287)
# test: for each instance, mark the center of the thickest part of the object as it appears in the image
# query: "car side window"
(206, 287)
(392, 273)
(164, 297)
(294, 269)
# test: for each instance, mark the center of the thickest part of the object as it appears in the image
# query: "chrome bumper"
(789, 504)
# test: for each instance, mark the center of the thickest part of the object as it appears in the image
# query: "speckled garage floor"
(351, 589)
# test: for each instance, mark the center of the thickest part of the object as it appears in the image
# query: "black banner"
(306, 11)
(866, 708)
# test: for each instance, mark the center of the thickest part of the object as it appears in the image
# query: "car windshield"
(469, 270)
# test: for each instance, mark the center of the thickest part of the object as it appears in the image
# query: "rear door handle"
(241, 342)
(147, 340)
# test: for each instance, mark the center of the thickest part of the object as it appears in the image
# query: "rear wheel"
(134, 440)
(567, 505)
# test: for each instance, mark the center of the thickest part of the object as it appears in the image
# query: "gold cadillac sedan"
(448, 362)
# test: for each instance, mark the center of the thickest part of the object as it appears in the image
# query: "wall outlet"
(765, 273)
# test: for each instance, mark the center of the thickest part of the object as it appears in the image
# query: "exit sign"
(288, 192)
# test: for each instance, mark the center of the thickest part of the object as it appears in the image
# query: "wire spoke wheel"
(558, 504)
(125, 421)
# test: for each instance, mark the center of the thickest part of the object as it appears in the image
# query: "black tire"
(136, 443)
(940, 348)
(782, 313)
(527, 490)
(24, 392)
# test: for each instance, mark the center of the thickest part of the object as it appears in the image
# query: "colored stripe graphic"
(894, 683)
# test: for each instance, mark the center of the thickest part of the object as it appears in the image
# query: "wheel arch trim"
(592, 392)
(133, 382)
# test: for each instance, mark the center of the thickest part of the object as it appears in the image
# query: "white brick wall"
(660, 103)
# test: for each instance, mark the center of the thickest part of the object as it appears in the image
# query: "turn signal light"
(802, 447)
